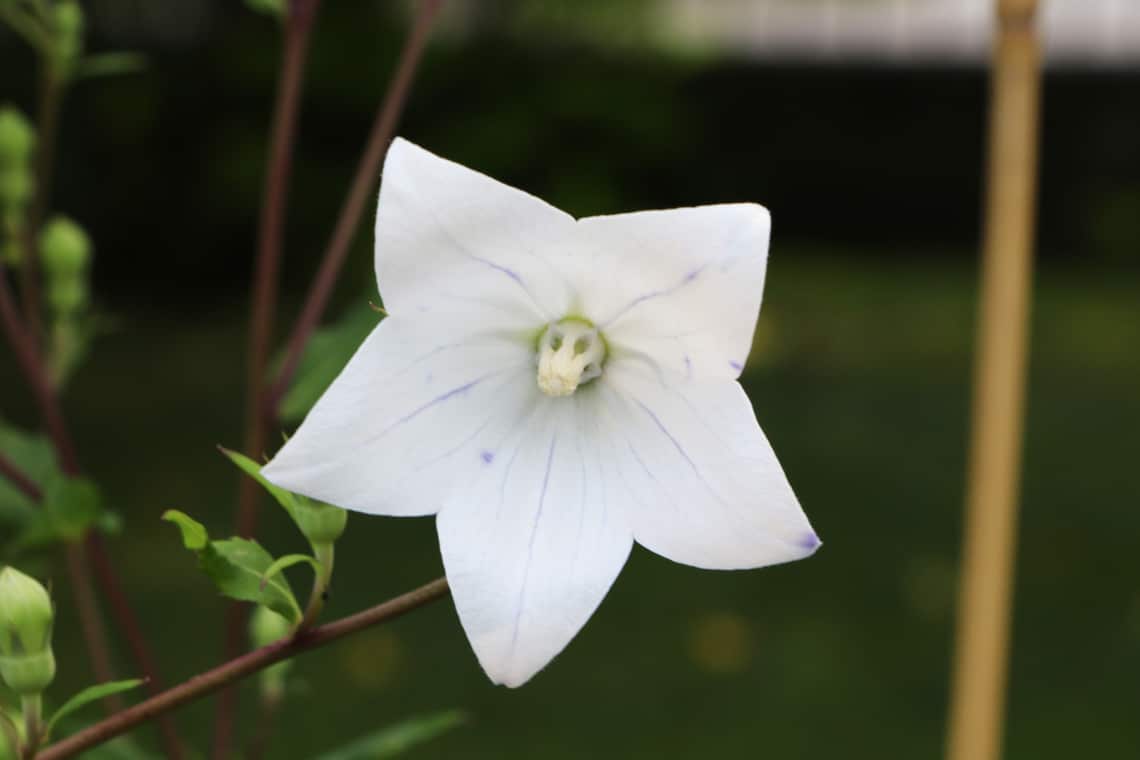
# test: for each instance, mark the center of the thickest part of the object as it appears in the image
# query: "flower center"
(570, 353)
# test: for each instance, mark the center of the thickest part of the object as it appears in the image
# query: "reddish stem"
(240, 667)
(20, 479)
(51, 97)
(28, 358)
(264, 299)
(91, 623)
(367, 173)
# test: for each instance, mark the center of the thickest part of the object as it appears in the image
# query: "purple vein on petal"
(688, 278)
(530, 545)
(676, 444)
(459, 390)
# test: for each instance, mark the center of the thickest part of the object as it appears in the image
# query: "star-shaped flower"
(552, 390)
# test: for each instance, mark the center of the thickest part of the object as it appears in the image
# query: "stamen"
(570, 353)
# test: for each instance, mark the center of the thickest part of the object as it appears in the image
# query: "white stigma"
(569, 353)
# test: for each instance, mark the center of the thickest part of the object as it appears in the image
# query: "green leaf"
(34, 456)
(110, 64)
(286, 562)
(237, 566)
(275, 8)
(75, 504)
(326, 353)
(90, 694)
(70, 508)
(194, 535)
(396, 739)
(253, 469)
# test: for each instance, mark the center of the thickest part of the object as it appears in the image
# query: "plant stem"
(298, 27)
(267, 713)
(33, 707)
(11, 734)
(51, 97)
(20, 479)
(28, 358)
(33, 724)
(979, 679)
(90, 621)
(324, 556)
(367, 173)
(240, 667)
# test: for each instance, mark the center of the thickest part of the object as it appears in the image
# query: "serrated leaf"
(236, 565)
(194, 535)
(326, 353)
(91, 694)
(253, 469)
(282, 563)
(396, 739)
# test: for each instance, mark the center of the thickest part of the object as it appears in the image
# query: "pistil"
(570, 353)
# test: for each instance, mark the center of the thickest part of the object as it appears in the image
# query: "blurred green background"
(860, 374)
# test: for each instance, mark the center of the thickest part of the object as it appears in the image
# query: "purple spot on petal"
(693, 274)
(688, 366)
(810, 542)
(736, 366)
(488, 456)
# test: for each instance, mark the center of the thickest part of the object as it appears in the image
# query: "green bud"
(64, 248)
(26, 613)
(265, 628)
(69, 30)
(27, 664)
(28, 674)
(15, 187)
(17, 137)
(321, 523)
(67, 296)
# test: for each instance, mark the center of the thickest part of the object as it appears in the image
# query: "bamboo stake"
(980, 673)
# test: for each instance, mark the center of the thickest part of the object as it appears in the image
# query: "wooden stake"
(979, 680)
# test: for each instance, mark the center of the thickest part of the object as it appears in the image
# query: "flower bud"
(68, 17)
(27, 664)
(64, 248)
(321, 523)
(17, 137)
(265, 628)
(15, 188)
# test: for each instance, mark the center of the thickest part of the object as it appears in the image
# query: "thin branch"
(51, 98)
(263, 733)
(367, 174)
(977, 705)
(298, 28)
(20, 479)
(275, 194)
(28, 358)
(132, 631)
(94, 636)
(240, 667)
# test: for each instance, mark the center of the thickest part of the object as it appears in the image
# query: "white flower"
(552, 390)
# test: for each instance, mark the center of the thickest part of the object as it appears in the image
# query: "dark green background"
(860, 378)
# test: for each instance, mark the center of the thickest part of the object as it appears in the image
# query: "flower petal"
(407, 420)
(681, 286)
(457, 247)
(701, 483)
(534, 545)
